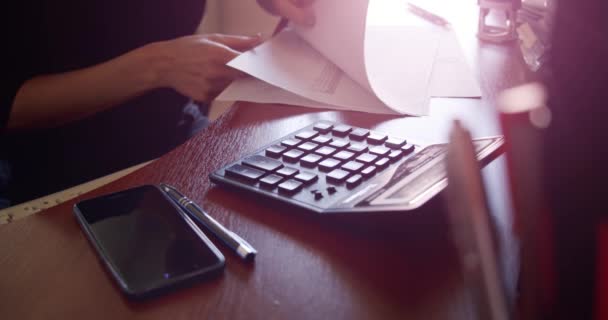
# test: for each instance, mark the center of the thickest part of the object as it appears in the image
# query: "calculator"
(331, 167)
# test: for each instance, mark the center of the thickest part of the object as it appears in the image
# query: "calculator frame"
(485, 155)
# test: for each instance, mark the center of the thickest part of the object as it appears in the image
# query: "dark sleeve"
(9, 91)
(20, 34)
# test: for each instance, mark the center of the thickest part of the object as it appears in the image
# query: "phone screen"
(146, 239)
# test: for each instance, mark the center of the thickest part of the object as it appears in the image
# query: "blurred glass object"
(524, 117)
(535, 22)
(497, 20)
(528, 21)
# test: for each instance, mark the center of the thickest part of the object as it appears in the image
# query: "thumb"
(239, 43)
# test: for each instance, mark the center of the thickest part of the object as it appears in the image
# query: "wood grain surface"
(391, 266)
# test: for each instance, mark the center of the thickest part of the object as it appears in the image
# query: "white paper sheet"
(339, 35)
(288, 62)
(399, 62)
(392, 27)
(452, 77)
(353, 61)
(255, 90)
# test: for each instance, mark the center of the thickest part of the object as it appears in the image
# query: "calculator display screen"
(417, 179)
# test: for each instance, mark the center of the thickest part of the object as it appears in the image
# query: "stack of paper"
(355, 58)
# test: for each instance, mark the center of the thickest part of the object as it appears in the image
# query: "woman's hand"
(193, 65)
(196, 66)
(297, 11)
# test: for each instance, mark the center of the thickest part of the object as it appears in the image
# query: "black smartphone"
(147, 242)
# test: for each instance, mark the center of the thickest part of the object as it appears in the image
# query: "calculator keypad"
(319, 163)
(271, 181)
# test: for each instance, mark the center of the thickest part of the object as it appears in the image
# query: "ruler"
(25, 209)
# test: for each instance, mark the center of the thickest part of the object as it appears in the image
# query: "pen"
(242, 248)
(436, 19)
(472, 229)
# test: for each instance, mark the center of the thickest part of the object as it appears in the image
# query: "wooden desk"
(309, 267)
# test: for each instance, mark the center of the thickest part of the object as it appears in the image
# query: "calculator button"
(243, 172)
(379, 150)
(307, 135)
(290, 186)
(291, 142)
(382, 163)
(325, 151)
(357, 148)
(368, 172)
(354, 181)
(339, 144)
(367, 158)
(359, 134)
(270, 181)
(308, 146)
(323, 127)
(337, 176)
(341, 130)
(407, 149)
(288, 172)
(322, 140)
(395, 143)
(376, 138)
(331, 190)
(275, 151)
(310, 160)
(395, 155)
(306, 177)
(263, 163)
(353, 166)
(293, 155)
(328, 164)
(344, 155)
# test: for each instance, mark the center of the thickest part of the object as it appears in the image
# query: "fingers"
(237, 43)
(221, 49)
(228, 73)
(205, 90)
(199, 69)
(298, 11)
